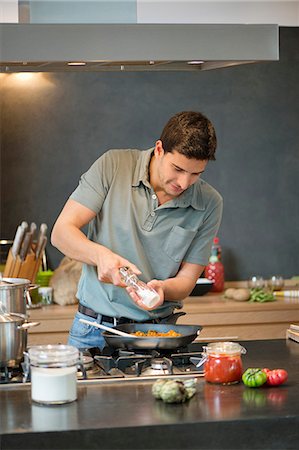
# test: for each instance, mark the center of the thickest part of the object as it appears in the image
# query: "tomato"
(254, 377)
(276, 377)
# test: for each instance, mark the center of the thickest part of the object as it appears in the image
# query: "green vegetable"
(174, 391)
(156, 389)
(261, 295)
(190, 386)
(190, 391)
(254, 377)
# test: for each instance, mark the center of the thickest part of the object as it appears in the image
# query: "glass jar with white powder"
(149, 296)
(53, 370)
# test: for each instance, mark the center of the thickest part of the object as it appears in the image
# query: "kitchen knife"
(40, 240)
(38, 261)
(42, 247)
(33, 228)
(26, 245)
(24, 225)
(17, 242)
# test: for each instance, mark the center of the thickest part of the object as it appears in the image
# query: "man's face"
(176, 172)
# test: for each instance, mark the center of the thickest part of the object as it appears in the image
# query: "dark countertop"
(125, 415)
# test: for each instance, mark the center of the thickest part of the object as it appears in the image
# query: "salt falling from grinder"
(149, 296)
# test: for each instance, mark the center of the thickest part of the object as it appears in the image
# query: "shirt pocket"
(178, 242)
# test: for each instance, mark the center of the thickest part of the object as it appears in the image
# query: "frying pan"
(188, 334)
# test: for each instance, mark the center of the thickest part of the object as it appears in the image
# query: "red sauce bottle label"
(215, 272)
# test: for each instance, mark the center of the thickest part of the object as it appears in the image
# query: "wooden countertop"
(209, 303)
(217, 315)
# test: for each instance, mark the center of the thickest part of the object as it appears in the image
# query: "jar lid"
(224, 348)
(53, 355)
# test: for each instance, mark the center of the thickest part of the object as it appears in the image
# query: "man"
(147, 210)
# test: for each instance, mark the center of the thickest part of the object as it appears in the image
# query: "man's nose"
(184, 181)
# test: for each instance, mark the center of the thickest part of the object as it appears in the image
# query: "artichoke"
(190, 386)
(173, 392)
(156, 389)
(190, 391)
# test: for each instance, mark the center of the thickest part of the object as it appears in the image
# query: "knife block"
(16, 268)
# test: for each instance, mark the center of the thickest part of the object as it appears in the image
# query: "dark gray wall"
(52, 132)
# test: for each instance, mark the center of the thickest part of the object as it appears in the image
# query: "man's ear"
(159, 151)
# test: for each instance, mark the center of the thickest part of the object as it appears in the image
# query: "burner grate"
(109, 364)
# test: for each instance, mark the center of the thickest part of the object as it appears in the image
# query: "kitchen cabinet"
(219, 317)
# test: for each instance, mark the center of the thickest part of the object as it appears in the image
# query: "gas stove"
(110, 365)
(152, 364)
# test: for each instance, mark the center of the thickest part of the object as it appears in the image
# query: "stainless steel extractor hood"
(133, 47)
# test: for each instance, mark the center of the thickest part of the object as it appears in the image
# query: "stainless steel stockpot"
(14, 294)
(13, 338)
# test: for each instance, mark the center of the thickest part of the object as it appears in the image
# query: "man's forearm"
(73, 243)
(177, 288)
(182, 284)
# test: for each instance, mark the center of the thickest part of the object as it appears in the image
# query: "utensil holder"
(16, 268)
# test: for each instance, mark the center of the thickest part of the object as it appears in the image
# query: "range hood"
(134, 47)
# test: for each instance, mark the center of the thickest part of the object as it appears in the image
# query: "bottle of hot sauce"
(216, 244)
(215, 272)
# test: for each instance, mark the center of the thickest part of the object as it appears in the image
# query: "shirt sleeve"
(95, 183)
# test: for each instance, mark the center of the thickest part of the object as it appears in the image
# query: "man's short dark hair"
(191, 134)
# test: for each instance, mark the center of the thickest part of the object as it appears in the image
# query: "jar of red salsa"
(223, 363)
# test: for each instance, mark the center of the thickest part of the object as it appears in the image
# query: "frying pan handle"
(172, 319)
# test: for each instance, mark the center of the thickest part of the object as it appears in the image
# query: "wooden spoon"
(103, 327)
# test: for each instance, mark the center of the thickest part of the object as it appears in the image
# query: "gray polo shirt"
(130, 222)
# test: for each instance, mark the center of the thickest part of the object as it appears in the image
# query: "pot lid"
(11, 317)
(11, 283)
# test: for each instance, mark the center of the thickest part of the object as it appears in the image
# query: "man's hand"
(154, 284)
(108, 264)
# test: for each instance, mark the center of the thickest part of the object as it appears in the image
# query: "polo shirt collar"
(141, 169)
(191, 197)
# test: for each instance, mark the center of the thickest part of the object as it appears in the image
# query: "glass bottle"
(216, 244)
(149, 296)
(215, 272)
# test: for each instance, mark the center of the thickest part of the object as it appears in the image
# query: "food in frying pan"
(154, 333)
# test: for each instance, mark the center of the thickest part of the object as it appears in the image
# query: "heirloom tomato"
(254, 377)
(276, 377)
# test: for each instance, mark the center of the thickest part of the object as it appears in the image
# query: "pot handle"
(32, 286)
(26, 367)
(81, 367)
(27, 325)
